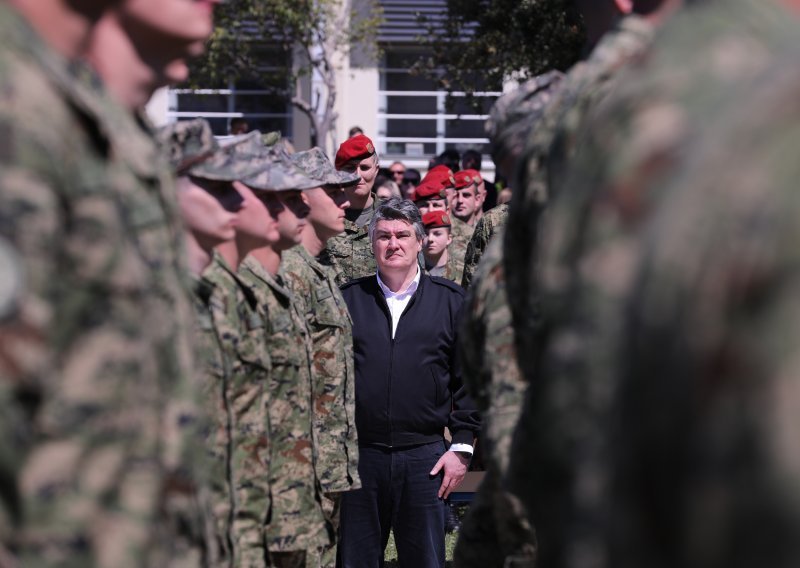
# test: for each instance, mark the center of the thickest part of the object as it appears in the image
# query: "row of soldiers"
(176, 382)
(273, 342)
(632, 331)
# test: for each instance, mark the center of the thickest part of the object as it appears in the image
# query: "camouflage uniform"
(485, 229)
(349, 255)
(297, 522)
(547, 148)
(496, 531)
(640, 448)
(461, 233)
(230, 342)
(318, 299)
(99, 416)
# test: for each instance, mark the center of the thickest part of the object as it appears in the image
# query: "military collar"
(256, 269)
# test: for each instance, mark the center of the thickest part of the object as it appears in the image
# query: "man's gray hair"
(396, 209)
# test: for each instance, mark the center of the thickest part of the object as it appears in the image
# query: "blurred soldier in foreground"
(350, 254)
(663, 278)
(229, 335)
(318, 299)
(497, 531)
(512, 119)
(541, 167)
(298, 531)
(98, 412)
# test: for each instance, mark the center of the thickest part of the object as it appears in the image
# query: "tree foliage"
(480, 44)
(278, 43)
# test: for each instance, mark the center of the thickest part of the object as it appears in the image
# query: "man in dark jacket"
(407, 391)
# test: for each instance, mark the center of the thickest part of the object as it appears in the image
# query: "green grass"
(449, 545)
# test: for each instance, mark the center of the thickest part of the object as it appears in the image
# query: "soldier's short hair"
(396, 209)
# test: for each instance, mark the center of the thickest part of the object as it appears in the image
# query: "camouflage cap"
(278, 172)
(515, 113)
(316, 164)
(193, 150)
(271, 138)
(187, 142)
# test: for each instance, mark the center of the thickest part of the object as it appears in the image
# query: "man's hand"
(455, 467)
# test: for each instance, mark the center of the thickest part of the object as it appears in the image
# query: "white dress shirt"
(397, 302)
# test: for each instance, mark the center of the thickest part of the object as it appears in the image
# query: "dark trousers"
(396, 493)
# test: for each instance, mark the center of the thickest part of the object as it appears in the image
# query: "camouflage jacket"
(296, 520)
(450, 270)
(549, 145)
(647, 258)
(349, 255)
(496, 531)
(485, 229)
(230, 345)
(319, 301)
(99, 416)
(461, 233)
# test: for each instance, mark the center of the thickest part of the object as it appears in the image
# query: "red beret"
(435, 219)
(464, 179)
(441, 176)
(429, 190)
(474, 174)
(356, 148)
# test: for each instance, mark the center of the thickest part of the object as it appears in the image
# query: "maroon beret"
(475, 175)
(436, 219)
(429, 190)
(356, 148)
(464, 179)
(441, 176)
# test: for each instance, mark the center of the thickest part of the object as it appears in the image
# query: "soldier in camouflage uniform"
(549, 145)
(484, 231)
(99, 414)
(229, 336)
(511, 120)
(497, 531)
(298, 532)
(350, 254)
(674, 217)
(435, 251)
(318, 299)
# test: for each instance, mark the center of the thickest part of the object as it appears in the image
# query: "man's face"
(209, 209)
(327, 210)
(437, 240)
(255, 221)
(154, 22)
(289, 211)
(398, 170)
(368, 170)
(395, 245)
(466, 203)
(427, 205)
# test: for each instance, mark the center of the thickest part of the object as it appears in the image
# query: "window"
(250, 98)
(413, 118)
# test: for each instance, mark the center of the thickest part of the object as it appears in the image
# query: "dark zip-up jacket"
(408, 388)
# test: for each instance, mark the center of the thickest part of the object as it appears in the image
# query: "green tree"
(480, 44)
(279, 43)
